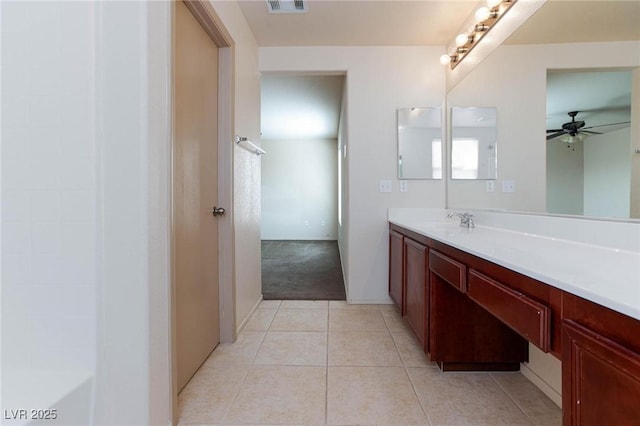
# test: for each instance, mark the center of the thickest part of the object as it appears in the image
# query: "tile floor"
(326, 362)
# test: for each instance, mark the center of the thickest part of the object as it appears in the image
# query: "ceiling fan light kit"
(575, 130)
(573, 139)
(486, 18)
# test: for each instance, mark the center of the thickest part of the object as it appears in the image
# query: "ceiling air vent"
(286, 6)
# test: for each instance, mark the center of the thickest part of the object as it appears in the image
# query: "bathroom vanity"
(476, 297)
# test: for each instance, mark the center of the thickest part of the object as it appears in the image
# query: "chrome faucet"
(466, 219)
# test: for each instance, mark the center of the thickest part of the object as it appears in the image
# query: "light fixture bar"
(485, 19)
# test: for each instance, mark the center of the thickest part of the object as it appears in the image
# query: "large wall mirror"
(589, 155)
(528, 79)
(474, 143)
(420, 143)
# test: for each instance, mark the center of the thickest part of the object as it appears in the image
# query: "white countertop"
(604, 275)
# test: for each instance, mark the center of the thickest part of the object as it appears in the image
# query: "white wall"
(607, 174)
(50, 167)
(246, 165)
(126, 195)
(300, 189)
(565, 177)
(77, 190)
(85, 89)
(379, 80)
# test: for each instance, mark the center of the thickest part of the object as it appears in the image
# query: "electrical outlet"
(491, 186)
(404, 186)
(508, 186)
(384, 185)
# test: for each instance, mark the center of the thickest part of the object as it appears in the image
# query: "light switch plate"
(491, 186)
(404, 186)
(385, 185)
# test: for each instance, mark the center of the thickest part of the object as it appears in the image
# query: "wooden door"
(195, 191)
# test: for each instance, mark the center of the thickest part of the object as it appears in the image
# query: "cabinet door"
(416, 288)
(396, 269)
(600, 379)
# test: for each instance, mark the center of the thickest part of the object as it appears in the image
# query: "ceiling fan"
(575, 128)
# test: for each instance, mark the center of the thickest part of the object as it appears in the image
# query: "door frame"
(204, 13)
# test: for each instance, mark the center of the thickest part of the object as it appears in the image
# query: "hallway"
(326, 362)
(302, 270)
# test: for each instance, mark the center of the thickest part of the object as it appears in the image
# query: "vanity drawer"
(527, 317)
(449, 270)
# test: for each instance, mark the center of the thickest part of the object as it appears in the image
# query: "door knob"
(218, 211)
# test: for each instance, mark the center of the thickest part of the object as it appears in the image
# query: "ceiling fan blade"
(590, 132)
(555, 135)
(555, 130)
(610, 124)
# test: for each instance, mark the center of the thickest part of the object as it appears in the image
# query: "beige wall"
(300, 189)
(565, 178)
(246, 165)
(607, 174)
(379, 80)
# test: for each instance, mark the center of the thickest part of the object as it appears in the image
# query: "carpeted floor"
(301, 270)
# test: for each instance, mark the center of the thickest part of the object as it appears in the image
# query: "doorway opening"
(301, 122)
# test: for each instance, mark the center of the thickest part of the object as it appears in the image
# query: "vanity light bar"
(486, 18)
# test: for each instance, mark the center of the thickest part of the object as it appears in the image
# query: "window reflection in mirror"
(473, 143)
(464, 158)
(420, 143)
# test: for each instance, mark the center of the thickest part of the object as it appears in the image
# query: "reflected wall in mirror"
(420, 143)
(474, 143)
(603, 36)
(589, 143)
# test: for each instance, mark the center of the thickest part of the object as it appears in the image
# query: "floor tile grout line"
(326, 369)
(406, 365)
(406, 372)
(503, 389)
(237, 393)
(415, 392)
(249, 367)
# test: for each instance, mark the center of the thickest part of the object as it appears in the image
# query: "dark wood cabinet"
(600, 379)
(464, 336)
(416, 307)
(527, 317)
(396, 269)
(477, 315)
(600, 364)
(429, 288)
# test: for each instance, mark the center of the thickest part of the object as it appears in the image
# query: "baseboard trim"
(248, 317)
(553, 394)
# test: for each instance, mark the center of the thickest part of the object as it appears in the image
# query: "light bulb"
(445, 59)
(461, 40)
(493, 3)
(482, 14)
